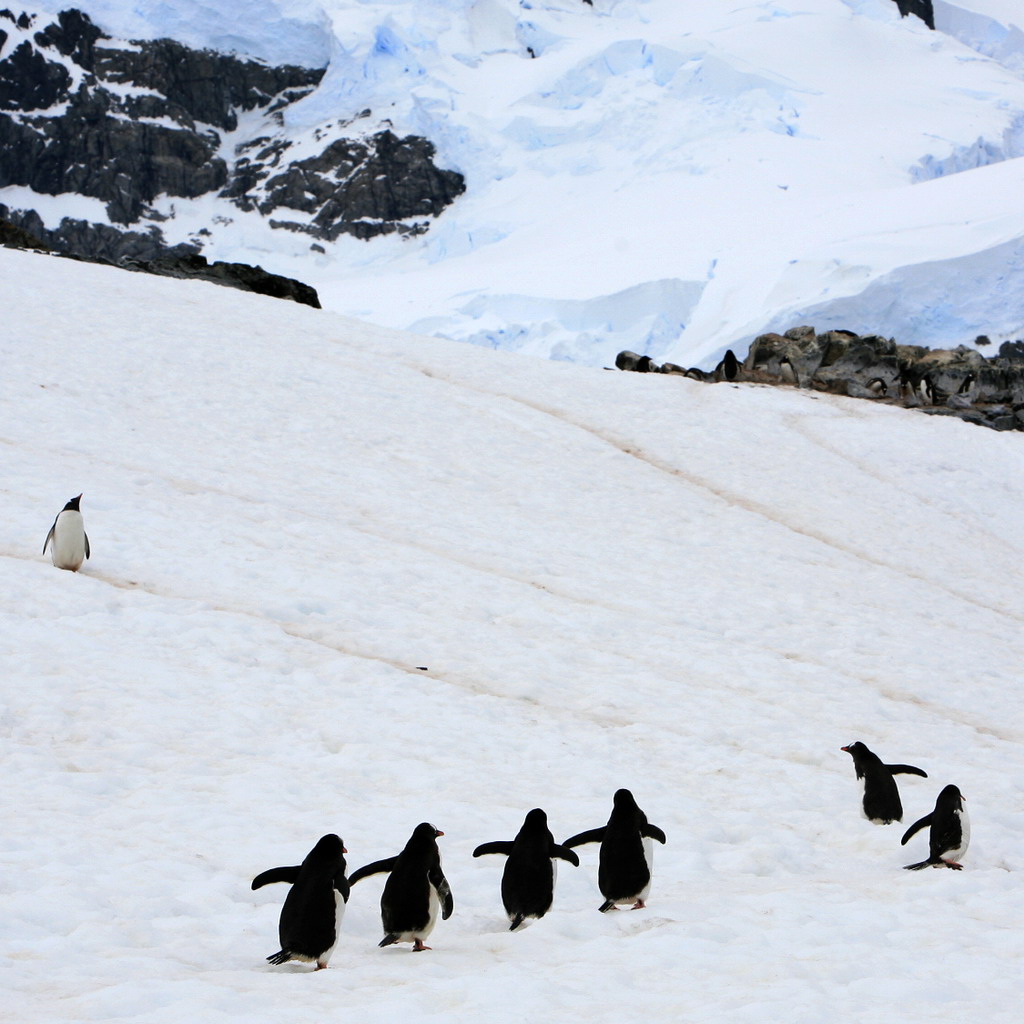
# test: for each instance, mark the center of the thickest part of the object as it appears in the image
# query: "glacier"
(777, 162)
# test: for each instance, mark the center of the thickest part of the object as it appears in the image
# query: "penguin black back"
(880, 801)
(949, 831)
(415, 891)
(528, 881)
(312, 912)
(626, 859)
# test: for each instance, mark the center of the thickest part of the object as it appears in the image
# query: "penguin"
(67, 539)
(728, 368)
(627, 853)
(880, 802)
(949, 832)
(528, 881)
(315, 904)
(415, 890)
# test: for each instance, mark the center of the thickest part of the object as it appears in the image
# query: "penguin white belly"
(339, 913)
(67, 546)
(433, 907)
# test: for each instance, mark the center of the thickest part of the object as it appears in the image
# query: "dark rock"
(28, 81)
(14, 237)
(922, 8)
(627, 360)
(235, 275)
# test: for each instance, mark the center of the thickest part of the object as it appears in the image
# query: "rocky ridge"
(129, 122)
(961, 382)
(188, 265)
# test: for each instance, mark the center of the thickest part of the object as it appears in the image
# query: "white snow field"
(347, 580)
(669, 176)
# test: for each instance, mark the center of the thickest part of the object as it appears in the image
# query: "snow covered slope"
(668, 177)
(344, 579)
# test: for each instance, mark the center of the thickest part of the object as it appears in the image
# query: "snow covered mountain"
(668, 177)
(347, 580)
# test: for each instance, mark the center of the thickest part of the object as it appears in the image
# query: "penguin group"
(949, 828)
(417, 892)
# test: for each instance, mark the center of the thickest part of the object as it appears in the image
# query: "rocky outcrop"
(921, 8)
(941, 382)
(130, 123)
(14, 237)
(234, 275)
(74, 236)
(946, 382)
(184, 265)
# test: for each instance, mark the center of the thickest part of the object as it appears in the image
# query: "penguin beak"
(438, 832)
(344, 849)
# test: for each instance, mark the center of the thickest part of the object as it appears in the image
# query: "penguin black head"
(329, 847)
(951, 797)
(536, 819)
(425, 833)
(859, 752)
(623, 800)
(72, 505)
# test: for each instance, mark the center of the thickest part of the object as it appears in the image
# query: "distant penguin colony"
(67, 539)
(314, 906)
(528, 881)
(880, 801)
(415, 891)
(626, 861)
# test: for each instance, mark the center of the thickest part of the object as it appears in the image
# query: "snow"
(347, 579)
(647, 147)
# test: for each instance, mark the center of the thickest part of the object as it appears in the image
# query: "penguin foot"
(418, 947)
(639, 905)
(953, 865)
(320, 966)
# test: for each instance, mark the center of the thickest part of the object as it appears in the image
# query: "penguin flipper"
(342, 884)
(276, 875)
(280, 957)
(87, 551)
(436, 878)
(498, 846)
(49, 536)
(564, 853)
(594, 835)
(906, 769)
(653, 832)
(916, 827)
(372, 869)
